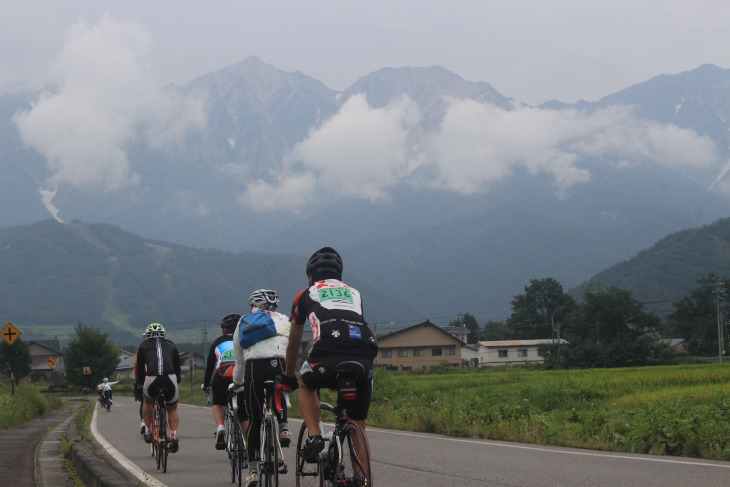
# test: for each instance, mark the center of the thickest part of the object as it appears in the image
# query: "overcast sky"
(530, 50)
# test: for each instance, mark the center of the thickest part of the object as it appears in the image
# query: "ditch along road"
(404, 459)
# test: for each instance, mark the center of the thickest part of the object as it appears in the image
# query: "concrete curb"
(91, 469)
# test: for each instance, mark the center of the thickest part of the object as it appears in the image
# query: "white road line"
(140, 474)
(550, 450)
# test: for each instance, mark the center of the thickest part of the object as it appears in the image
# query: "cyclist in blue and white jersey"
(219, 373)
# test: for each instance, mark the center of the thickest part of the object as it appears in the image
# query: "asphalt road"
(407, 459)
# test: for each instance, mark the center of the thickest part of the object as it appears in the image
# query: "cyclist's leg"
(148, 390)
(219, 389)
(253, 389)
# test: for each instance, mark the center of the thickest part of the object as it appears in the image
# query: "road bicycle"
(105, 401)
(271, 457)
(345, 461)
(235, 444)
(160, 427)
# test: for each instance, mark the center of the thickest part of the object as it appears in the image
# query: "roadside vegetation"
(669, 410)
(27, 403)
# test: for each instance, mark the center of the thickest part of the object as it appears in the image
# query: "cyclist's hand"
(235, 387)
(290, 382)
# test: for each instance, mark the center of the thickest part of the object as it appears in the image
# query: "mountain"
(54, 274)
(480, 192)
(666, 271)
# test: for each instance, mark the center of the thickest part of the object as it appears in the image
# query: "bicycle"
(345, 461)
(235, 444)
(105, 401)
(271, 457)
(160, 439)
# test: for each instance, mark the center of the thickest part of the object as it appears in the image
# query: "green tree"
(20, 356)
(695, 316)
(610, 329)
(494, 331)
(541, 310)
(89, 347)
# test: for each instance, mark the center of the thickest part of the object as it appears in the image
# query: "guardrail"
(74, 392)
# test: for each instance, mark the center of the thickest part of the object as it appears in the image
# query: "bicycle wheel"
(156, 440)
(354, 468)
(239, 448)
(266, 465)
(231, 446)
(307, 474)
(164, 443)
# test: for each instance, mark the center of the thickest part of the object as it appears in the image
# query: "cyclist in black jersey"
(340, 334)
(157, 367)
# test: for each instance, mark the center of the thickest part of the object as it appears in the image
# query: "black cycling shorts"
(219, 388)
(318, 372)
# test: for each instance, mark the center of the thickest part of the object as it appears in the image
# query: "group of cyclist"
(263, 344)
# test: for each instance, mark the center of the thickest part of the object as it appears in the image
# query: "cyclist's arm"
(176, 363)
(140, 370)
(292, 349)
(210, 365)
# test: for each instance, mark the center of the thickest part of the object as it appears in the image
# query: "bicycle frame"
(160, 428)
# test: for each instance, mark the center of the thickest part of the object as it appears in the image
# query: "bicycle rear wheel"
(165, 446)
(354, 469)
(156, 440)
(307, 474)
(231, 447)
(269, 465)
(239, 448)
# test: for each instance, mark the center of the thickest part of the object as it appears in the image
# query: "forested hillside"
(53, 275)
(667, 270)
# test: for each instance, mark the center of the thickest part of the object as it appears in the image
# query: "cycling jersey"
(335, 313)
(156, 357)
(220, 358)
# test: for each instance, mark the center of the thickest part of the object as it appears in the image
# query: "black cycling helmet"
(325, 263)
(229, 322)
(264, 299)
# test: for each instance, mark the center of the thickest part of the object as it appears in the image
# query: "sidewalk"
(30, 455)
(22, 465)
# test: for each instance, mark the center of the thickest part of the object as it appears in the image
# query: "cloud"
(363, 152)
(360, 153)
(106, 94)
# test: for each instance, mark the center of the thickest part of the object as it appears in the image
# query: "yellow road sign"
(10, 333)
(51, 362)
(87, 370)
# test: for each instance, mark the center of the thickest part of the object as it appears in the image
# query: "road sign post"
(10, 334)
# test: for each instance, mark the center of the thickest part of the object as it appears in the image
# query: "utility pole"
(719, 322)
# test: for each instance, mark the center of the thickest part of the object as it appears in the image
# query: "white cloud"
(363, 152)
(106, 93)
(479, 144)
(290, 195)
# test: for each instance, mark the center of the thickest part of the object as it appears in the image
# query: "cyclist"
(105, 390)
(219, 374)
(339, 334)
(157, 367)
(260, 342)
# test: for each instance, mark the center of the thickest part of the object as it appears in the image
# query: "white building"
(506, 352)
